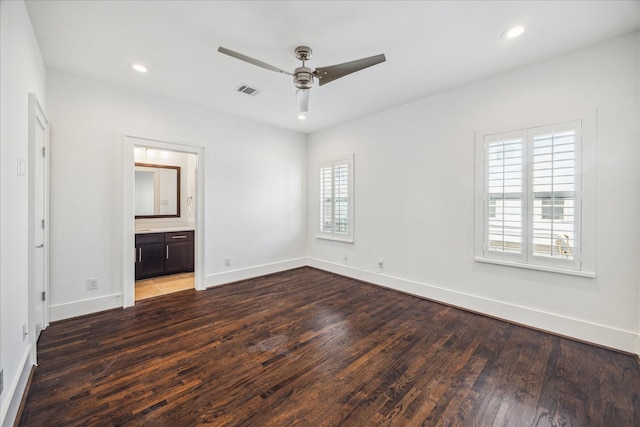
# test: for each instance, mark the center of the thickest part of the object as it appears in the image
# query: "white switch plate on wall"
(21, 167)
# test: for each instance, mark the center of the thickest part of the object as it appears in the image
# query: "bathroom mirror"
(157, 191)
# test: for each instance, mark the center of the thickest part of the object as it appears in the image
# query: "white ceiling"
(430, 46)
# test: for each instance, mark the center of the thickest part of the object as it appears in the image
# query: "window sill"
(335, 239)
(590, 274)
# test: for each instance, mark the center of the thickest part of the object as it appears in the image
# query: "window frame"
(334, 235)
(584, 196)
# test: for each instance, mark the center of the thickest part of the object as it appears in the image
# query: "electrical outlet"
(227, 262)
(1, 380)
(345, 258)
(93, 283)
(380, 263)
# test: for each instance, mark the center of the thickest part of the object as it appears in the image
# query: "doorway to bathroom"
(165, 206)
(164, 211)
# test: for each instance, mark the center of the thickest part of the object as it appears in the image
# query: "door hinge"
(44, 296)
(42, 222)
(44, 151)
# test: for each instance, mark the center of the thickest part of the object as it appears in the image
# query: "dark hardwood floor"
(310, 348)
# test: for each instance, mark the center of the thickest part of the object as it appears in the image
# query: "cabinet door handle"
(167, 251)
(178, 237)
(140, 255)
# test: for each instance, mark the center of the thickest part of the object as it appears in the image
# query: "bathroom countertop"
(148, 230)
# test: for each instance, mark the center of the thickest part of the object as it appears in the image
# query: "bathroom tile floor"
(162, 285)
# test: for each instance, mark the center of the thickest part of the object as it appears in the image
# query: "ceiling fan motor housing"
(303, 78)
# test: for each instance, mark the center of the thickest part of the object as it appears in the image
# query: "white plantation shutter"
(341, 199)
(531, 195)
(504, 184)
(554, 183)
(326, 199)
(336, 189)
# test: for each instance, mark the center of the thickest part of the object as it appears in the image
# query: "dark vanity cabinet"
(149, 255)
(158, 254)
(179, 252)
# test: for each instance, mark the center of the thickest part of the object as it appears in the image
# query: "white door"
(39, 129)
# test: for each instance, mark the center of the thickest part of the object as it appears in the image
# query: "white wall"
(414, 196)
(255, 183)
(21, 71)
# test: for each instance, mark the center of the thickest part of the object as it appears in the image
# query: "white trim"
(620, 339)
(128, 251)
(16, 390)
(85, 306)
(225, 277)
(37, 115)
(539, 267)
(599, 334)
(333, 239)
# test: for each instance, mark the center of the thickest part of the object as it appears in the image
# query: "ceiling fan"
(303, 76)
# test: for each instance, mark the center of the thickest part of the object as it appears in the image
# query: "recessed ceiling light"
(514, 32)
(139, 68)
(301, 116)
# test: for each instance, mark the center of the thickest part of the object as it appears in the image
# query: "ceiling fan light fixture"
(515, 31)
(139, 68)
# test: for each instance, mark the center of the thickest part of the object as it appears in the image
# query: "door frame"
(37, 117)
(128, 244)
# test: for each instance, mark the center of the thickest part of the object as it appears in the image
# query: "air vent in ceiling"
(248, 90)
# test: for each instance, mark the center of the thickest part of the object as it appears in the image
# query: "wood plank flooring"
(309, 348)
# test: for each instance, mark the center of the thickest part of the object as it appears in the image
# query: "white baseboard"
(607, 336)
(86, 306)
(627, 341)
(251, 272)
(15, 391)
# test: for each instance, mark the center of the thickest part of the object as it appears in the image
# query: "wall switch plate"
(227, 262)
(93, 283)
(21, 167)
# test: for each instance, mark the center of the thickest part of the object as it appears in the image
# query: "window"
(492, 208)
(336, 198)
(529, 206)
(552, 209)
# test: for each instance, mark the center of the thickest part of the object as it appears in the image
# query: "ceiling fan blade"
(250, 60)
(303, 99)
(329, 74)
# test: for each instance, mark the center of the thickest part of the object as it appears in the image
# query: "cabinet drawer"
(147, 239)
(178, 236)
